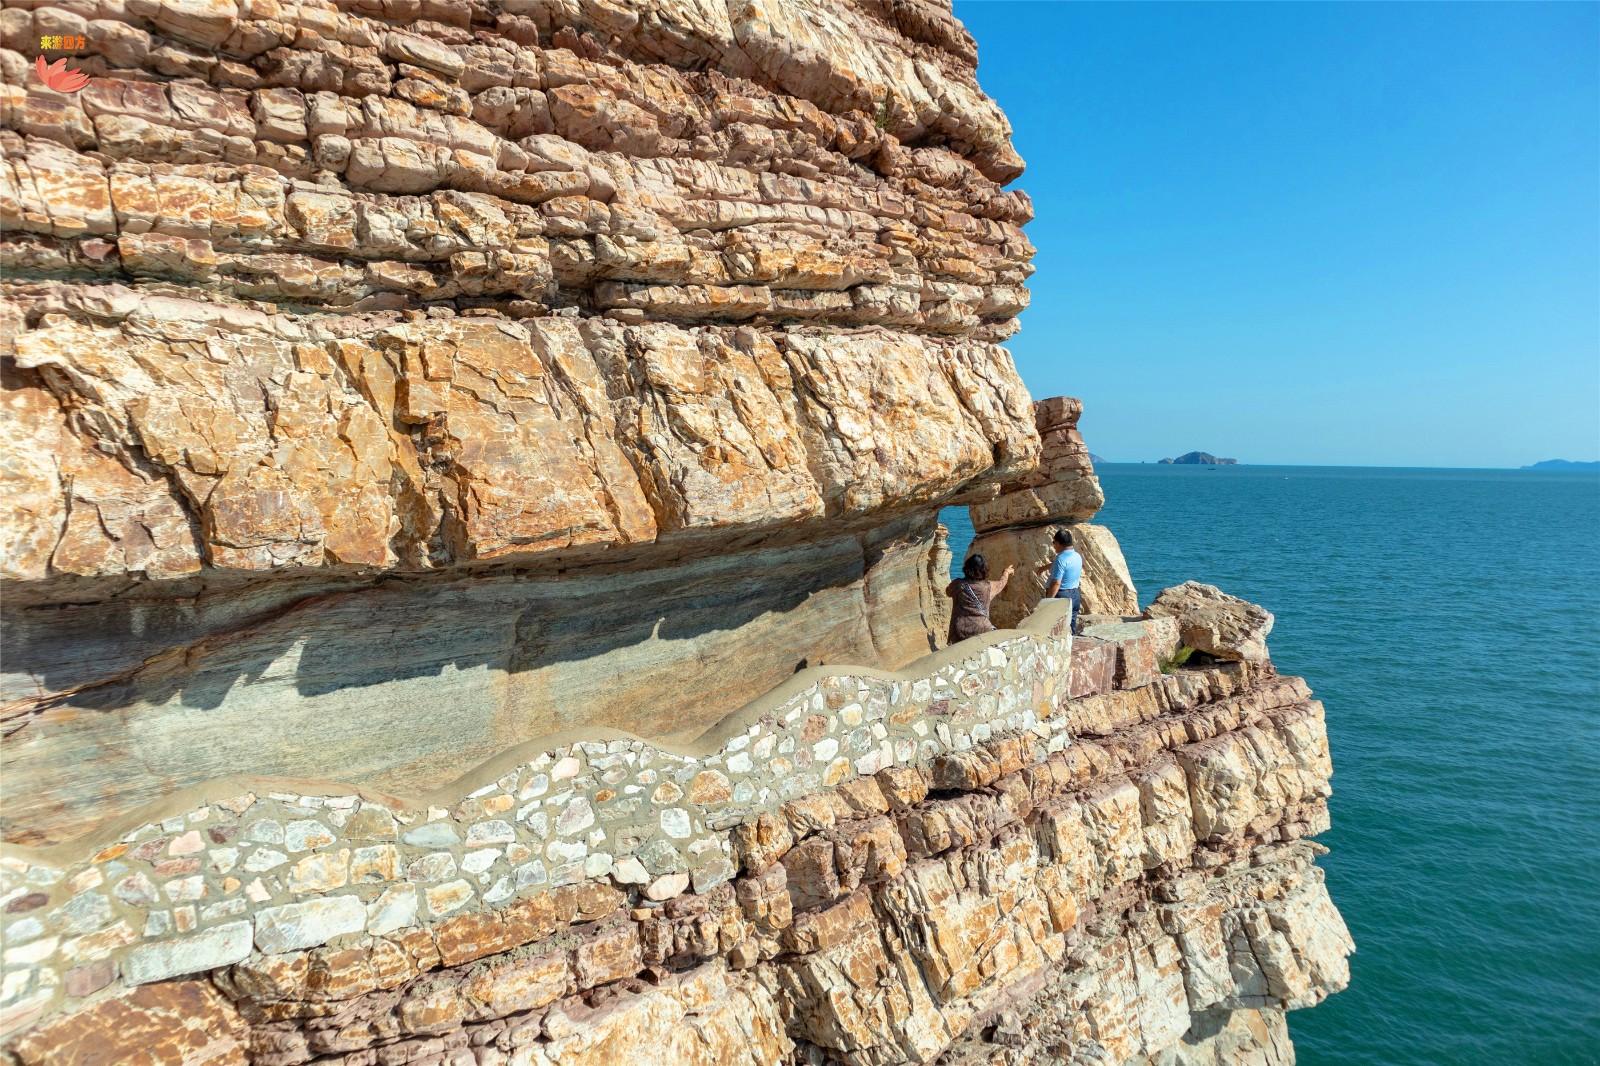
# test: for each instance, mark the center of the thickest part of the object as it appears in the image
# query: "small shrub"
(1178, 658)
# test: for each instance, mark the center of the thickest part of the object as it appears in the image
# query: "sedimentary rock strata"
(1061, 488)
(406, 686)
(1082, 858)
(526, 360)
(474, 586)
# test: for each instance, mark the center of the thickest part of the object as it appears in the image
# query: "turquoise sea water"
(1450, 621)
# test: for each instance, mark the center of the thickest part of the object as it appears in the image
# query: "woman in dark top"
(972, 593)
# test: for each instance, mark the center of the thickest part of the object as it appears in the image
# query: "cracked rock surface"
(1139, 888)
(540, 364)
(407, 398)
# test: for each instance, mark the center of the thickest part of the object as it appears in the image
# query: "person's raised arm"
(1000, 585)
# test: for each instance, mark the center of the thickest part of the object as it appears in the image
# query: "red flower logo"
(56, 76)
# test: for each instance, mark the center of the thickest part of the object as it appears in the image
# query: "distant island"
(1199, 459)
(1563, 464)
(1093, 458)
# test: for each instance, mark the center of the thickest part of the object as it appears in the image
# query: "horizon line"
(1347, 466)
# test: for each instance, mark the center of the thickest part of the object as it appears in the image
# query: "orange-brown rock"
(1214, 622)
(185, 1023)
(444, 345)
(1062, 488)
(411, 398)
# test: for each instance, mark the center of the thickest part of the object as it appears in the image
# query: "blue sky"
(1339, 233)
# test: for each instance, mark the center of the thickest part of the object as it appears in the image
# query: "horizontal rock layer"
(1060, 488)
(396, 382)
(409, 297)
(174, 435)
(405, 686)
(1093, 887)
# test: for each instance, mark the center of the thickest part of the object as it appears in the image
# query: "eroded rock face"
(508, 367)
(1117, 874)
(396, 383)
(448, 440)
(1017, 528)
(1062, 488)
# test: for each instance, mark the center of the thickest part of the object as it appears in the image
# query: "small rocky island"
(1563, 464)
(1199, 459)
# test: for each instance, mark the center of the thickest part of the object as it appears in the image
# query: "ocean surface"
(1450, 621)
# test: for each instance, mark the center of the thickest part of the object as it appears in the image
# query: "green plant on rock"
(1177, 659)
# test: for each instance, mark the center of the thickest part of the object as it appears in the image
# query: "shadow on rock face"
(405, 685)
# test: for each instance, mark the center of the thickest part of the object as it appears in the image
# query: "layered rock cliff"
(535, 365)
(473, 582)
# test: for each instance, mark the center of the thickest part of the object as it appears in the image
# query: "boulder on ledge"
(1214, 622)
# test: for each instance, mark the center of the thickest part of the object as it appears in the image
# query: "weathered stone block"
(305, 925)
(1142, 648)
(707, 1017)
(465, 937)
(521, 985)
(225, 944)
(610, 954)
(811, 876)
(1093, 669)
(903, 786)
(761, 842)
(167, 1022)
(819, 930)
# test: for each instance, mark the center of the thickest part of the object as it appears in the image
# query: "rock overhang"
(559, 302)
(491, 298)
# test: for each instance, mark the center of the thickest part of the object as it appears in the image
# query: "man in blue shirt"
(1065, 574)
